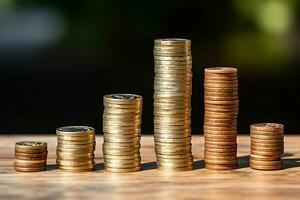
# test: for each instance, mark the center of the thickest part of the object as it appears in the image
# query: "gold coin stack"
(122, 132)
(220, 119)
(30, 156)
(75, 149)
(267, 146)
(172, 104)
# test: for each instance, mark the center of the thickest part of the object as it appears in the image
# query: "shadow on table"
(199, 164)
(243, 161)
(99, 166)
(148, 165)
(290, 163)
(52, 167)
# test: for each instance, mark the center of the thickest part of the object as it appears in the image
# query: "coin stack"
(267, 146)
(172, 104)
(220, 119)
(122, 132)
(75, 150)
(30, 156)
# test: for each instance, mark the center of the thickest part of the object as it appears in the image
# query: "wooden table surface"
(150, 183)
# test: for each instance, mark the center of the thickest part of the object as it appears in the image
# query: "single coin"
(219, 150)
(30, 158)
(175, 140)
(264, 141)
(258, 145)
(66, 163)
(120, 153)
(219, 167)
(74, 142)
(29, 165)
(266, 158)
(173, 151)
(267, 168)
(75, 131)
(120, 170)
(221, 154)
(32, 151)
(268, 137)
(30, 145)
(172, 42)
(217, 128)
(66, 138)
(77, 170)
(223, 140)
(177, 165)
(122, 98)
(265, 162)
(220, 70)
(121, 166)
(220, 162)
(29, 162)
(123, 157)
(31, 155)
(265, 153)
(87, 150)
(267, 127)
(274, 150)
(121, 145)
(182, 156)
(25, 169)
(267, 133)
(175, 169)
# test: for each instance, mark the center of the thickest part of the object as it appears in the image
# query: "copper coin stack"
(122, 132)
(220, 119)
(30, 156)
(75, 149)
(172, 104)
(267, 146)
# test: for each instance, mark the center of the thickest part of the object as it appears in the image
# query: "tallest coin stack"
(172, 104)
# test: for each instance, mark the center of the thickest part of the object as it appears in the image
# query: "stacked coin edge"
(30, 156)
(75, 148)
(122, 132)
(267, 146)
(172, 106)
(220, 119)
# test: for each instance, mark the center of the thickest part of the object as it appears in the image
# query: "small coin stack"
(122, 132)
(30, 156)
(267, 146)
(220, 119)
(172, 104)
(75, 149)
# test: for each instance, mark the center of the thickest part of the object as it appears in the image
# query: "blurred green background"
(58, 58)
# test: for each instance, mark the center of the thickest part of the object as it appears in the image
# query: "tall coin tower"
(220, 119)
(122, 132)
(172, 104)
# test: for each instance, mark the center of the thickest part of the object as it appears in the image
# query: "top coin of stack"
(220, 119)
(122, 132)
(30, 156)
(172, 104)
(267, 146)
(75, 150)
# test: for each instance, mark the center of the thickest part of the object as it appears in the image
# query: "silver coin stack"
(172, 104)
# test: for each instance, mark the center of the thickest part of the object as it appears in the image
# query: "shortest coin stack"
(267, 146)
(30, 156)
(75, 150)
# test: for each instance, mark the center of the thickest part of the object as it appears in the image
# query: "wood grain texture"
(150, 183)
